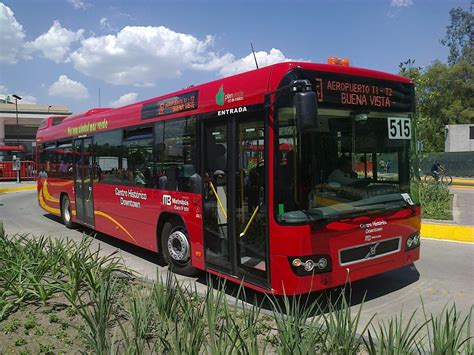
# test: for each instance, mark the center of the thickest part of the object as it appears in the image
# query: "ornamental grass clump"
(449, 332)
(396, 336)
(298, 324)
(343, 335)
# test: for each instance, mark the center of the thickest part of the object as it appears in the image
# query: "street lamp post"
(17, 125)
(17, 135)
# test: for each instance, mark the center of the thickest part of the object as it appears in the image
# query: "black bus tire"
(176, 248)
(66, 214)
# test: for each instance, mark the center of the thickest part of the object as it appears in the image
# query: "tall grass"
(449, 332)
(298, 331)
(395, 336)
(96, 310)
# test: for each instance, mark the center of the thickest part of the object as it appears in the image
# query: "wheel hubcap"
(178, 246)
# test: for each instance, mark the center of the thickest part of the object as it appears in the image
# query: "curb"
(19, 188)
(463, 181)
(456, 233)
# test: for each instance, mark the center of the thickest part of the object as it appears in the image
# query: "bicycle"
(443, 178)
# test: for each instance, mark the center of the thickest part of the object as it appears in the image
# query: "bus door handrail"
(254, 213)
(219, 202)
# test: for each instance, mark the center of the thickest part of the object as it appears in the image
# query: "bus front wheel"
(66, 212)
(176, 248)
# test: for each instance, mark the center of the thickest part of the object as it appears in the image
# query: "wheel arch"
(166, 217)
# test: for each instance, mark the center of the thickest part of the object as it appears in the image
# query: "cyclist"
(437, 170)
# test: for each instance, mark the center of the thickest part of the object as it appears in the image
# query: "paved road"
(445, 272)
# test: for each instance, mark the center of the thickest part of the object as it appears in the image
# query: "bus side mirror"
(306, 110)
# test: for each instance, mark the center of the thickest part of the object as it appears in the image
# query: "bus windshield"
(347, 166)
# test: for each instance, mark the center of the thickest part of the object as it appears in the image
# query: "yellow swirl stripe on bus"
(102, 214)
(47, 195)
(45, 206)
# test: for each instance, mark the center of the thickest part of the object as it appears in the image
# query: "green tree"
(459, 35)
(445, 96)
(445, 92)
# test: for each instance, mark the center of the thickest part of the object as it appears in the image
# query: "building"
(19, 127)
(459, 138)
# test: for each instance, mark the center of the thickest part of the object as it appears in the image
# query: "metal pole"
(18, 177)
(17, 126)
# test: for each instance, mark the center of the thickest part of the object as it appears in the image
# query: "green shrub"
(435, 201)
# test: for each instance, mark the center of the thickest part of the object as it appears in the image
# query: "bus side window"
(175, 154)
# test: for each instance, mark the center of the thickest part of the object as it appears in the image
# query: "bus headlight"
(308, 265)
(322, 263)
(413, 241)
(296, 262)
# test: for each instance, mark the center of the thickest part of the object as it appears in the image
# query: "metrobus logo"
(167, 200)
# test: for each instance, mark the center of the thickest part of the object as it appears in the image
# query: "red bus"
(7, 170)
(291, 178)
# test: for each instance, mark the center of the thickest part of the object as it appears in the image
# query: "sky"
(110, 53)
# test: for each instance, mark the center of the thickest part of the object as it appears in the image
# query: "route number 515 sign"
(399, 128)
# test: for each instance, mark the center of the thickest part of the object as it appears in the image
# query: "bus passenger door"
(83, 175)
(218, 251)
(234, 201)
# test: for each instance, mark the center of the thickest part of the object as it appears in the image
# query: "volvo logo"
(372, 250)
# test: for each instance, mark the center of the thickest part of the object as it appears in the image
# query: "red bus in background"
(7, 172)
(272, 177)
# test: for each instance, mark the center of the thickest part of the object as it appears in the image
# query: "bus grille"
(369, 251)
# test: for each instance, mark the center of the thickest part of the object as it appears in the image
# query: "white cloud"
(68, 88)
(401, 3)
(143, 55)
(28, 99)
(105, 25)
(11, 37)
(56, 43)
(79, 5)
(248, 63)
(5, 94)
(124, 100)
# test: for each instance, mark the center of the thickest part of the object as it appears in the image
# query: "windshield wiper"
(401, 199)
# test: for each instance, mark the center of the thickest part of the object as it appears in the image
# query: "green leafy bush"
(435, 201)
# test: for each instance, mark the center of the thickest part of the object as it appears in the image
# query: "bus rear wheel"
(176, 248)
(66, 214)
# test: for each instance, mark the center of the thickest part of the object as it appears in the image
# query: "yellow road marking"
(19, 188)
(448, 232)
